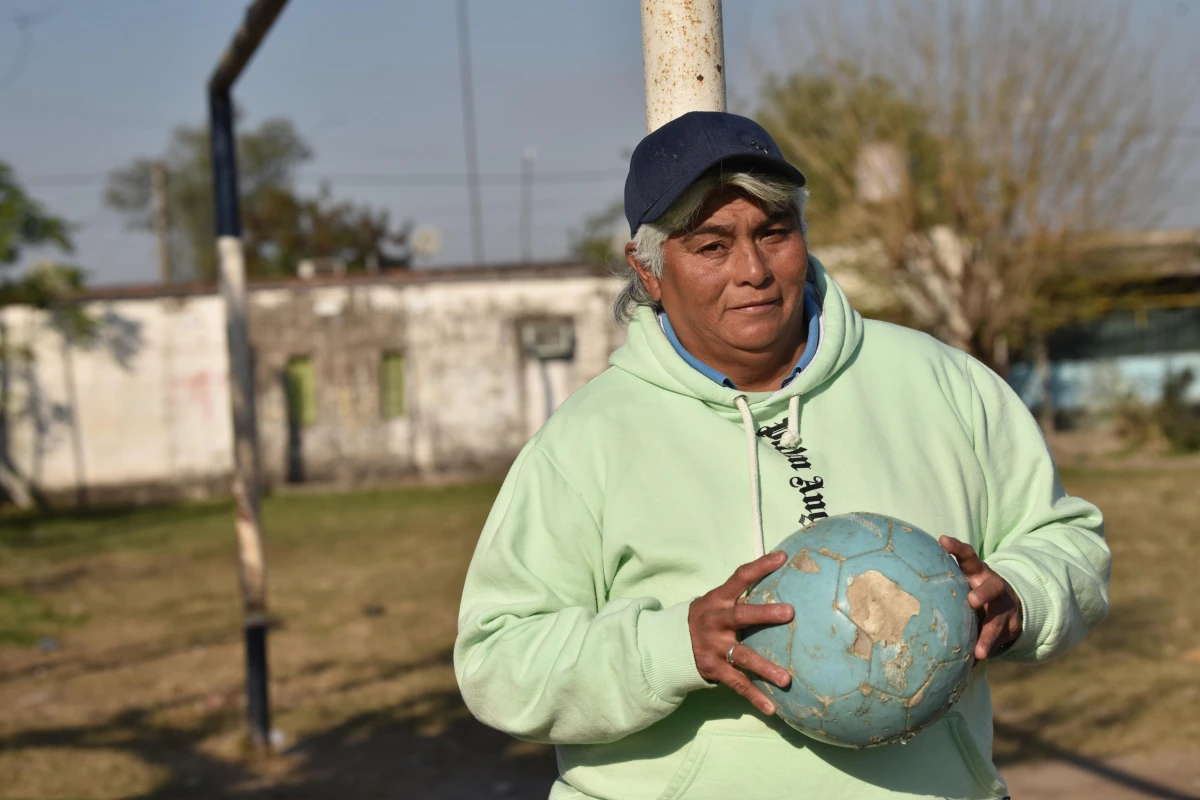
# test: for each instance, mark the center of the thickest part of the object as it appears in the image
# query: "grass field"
(120, 650)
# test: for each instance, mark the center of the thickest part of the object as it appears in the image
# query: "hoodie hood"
(648, 355)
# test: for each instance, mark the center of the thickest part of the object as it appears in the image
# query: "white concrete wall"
(467, 368)
(149, 406)
(145, 401)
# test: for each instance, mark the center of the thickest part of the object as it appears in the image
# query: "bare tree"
(978, 149)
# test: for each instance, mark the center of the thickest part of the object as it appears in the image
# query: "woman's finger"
(747, 659)
(994, 628)
(736, 679)
(743, 615)
(990, 589)
(749, 574)
(968, 561)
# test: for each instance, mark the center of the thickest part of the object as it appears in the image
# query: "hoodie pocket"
(682, 780)
(727, 764)
(981, 768)
(724, 764)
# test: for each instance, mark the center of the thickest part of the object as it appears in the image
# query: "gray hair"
(775, 193)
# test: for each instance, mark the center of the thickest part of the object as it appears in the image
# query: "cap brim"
(668, 198)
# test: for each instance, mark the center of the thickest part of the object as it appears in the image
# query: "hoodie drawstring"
(791, 438)
(752, 453)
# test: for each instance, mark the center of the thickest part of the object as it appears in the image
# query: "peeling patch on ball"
(825, 551)
(803, 562)
(862, 645)
(896, 664)
(879, 606)
(940, 627)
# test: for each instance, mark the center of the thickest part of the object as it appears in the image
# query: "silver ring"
(729, 655)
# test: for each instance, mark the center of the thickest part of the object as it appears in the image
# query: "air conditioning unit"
(548, 338)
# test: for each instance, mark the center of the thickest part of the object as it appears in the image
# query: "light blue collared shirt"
(812, 310)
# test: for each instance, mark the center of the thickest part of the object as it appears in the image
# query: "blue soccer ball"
(882, 640)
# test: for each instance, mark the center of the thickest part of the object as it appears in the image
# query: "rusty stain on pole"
(683, 55)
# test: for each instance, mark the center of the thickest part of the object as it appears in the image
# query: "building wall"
(467, 407)
(140, 408)
(142, 411)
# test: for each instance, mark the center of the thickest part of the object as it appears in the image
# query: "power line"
(452, 179)
(73, 179)
(65, 180)
(108, 220)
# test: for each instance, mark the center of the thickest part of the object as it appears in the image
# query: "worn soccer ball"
(881, 643)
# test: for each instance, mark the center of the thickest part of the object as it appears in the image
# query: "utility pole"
(683, 58)
(247, 521)
(472, 147)
(162, 222)
(527, 159)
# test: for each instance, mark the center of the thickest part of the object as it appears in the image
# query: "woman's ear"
(653, 285)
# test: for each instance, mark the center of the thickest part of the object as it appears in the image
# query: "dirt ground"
(120, 656)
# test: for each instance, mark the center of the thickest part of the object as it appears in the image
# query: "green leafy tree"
(280, 227)
(857, 111)
(25, 223)
(593, 242)
(267, 159)
(283, 229)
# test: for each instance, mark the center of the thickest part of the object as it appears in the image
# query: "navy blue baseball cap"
(670, 159)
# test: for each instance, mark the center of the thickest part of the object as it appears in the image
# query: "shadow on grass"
(435, 752)
(426, 747)
(1130, 630)
(113, 513)
(87, 530)
(118, 657)
(1032, 747)
(432, 748)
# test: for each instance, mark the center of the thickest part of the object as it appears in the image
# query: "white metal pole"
(683, 55)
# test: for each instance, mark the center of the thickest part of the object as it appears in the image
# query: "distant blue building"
(1150, 283)
(1092, 365)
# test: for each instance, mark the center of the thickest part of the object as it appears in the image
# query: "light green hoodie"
(640, 494)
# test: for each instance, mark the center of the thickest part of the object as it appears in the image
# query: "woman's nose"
(749, 266)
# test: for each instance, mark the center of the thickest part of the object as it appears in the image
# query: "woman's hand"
(991, 596)
(714, 620)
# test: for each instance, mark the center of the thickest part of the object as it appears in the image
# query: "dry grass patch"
(1134, 684)
(121, 663)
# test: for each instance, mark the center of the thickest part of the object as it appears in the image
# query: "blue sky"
(373, 85)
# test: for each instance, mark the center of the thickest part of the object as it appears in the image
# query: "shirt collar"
(813, 313)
